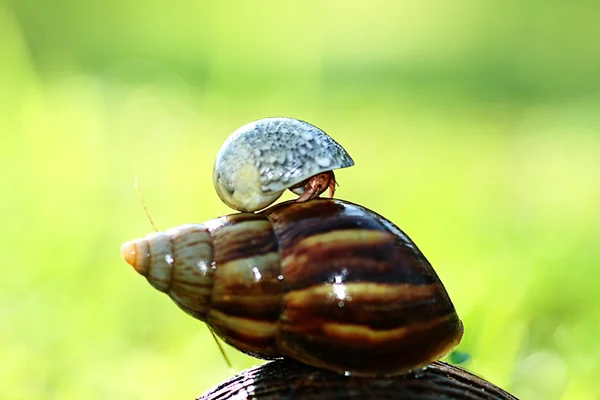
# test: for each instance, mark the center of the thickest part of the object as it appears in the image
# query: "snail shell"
(326, 282)
(262, 159)
(285, 379)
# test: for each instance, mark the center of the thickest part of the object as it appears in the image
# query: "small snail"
(262, 159)
(325, 282)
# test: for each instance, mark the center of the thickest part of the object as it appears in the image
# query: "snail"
(285, 379)
(326, 282)
(262, 159)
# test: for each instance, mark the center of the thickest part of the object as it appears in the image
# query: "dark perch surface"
(286, 379)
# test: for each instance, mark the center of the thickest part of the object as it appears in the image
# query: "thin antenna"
(223, 353)
(137, 189)
(139, 193)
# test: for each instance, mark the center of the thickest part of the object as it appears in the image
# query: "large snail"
(262, 159)
(326, 282)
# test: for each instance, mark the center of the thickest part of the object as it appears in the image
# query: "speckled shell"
(262, 159)
(326, 282)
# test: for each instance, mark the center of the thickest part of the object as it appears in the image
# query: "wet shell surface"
(326, 282)
(262, 159)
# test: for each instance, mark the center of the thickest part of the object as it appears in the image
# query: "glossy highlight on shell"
(326, 282)
(262, 159)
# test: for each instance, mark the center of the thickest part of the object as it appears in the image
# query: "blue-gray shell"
(286, 151)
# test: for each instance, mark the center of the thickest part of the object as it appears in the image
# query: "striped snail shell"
(262, 159)
(285, 379)
(326, 282)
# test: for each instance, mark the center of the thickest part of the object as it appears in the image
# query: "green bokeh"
(475, 127)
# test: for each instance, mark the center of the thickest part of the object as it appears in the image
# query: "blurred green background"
(474, 127)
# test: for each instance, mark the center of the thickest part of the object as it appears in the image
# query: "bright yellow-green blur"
(474, 126)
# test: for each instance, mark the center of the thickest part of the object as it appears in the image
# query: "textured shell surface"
(262, 159)
(285, 379)
(326, 282)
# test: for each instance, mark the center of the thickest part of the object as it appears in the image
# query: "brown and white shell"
(326, 282)
(262, 159)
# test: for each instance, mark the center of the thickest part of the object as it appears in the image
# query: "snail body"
(262, 159)
(326, 282)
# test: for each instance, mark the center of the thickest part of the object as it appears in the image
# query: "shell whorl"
(178, 262)
(262, 159)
